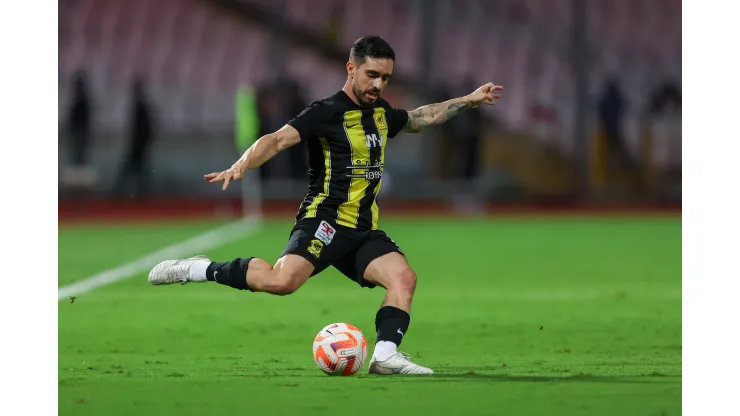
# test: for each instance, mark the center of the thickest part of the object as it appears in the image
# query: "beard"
(362, 98)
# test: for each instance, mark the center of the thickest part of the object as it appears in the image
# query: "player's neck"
(348, 90)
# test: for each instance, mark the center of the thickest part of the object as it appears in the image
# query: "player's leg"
(304, 256)
(380, 262)
(392, 272)
(254, 274)
(288, 274)
(392, 320)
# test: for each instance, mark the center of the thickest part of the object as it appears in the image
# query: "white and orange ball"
(340, 349)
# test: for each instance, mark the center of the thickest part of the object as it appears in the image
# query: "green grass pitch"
(548, 316)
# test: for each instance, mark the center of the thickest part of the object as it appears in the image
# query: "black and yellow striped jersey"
(346, 152)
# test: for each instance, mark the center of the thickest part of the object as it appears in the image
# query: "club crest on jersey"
(315, 247)
(380, 120)
(325, 232)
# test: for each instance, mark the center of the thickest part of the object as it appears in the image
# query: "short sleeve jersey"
(346, 152)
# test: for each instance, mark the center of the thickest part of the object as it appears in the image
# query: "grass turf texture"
(530, 316)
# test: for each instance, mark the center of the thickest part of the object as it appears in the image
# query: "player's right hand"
(234, 172)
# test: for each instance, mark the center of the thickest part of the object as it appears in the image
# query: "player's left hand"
(485, 94)
(233, 172)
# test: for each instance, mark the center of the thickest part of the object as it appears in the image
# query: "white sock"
(198, 271)
(383, 350)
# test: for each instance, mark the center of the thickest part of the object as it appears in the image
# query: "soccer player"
(337, 223)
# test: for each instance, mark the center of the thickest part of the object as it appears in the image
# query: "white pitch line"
(195, 245)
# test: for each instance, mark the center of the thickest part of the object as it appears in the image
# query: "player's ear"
(351, 68)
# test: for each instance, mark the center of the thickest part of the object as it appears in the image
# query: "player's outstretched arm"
(433, 114)
(264, 149)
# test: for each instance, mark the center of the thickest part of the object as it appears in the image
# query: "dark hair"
(371, 46)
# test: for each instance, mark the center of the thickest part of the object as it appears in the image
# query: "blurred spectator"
(461, 141)
(141, 134)
(79, 120)
(612, 109)
(333, 27)
(446, 131)
(461, 137)
(278, 102)
(294, 104)
(268, 107)
(468, 129)
(665, 132)
(666, 98)
(79, 129)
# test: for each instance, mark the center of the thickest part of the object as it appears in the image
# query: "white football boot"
(174, 271)
(398, 363)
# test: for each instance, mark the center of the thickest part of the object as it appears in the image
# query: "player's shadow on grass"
(573, 378)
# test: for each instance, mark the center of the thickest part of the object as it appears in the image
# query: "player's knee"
(287, 283)
(283, 288)
(259, 264)
(406, 281)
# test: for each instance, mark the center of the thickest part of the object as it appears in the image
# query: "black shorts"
(324, 244)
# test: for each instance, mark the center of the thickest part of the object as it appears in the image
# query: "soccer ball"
(340, 349)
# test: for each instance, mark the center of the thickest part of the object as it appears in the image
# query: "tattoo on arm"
(455, 109)
(433, 114)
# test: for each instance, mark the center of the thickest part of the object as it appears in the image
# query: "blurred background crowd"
(148, 94)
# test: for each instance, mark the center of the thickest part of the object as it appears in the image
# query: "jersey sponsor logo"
(372, 171)
(372, 175)
(315, 247)
(325, 232)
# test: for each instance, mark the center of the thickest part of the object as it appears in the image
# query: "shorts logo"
(325, 232)
(396, 244)
(315, 248)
